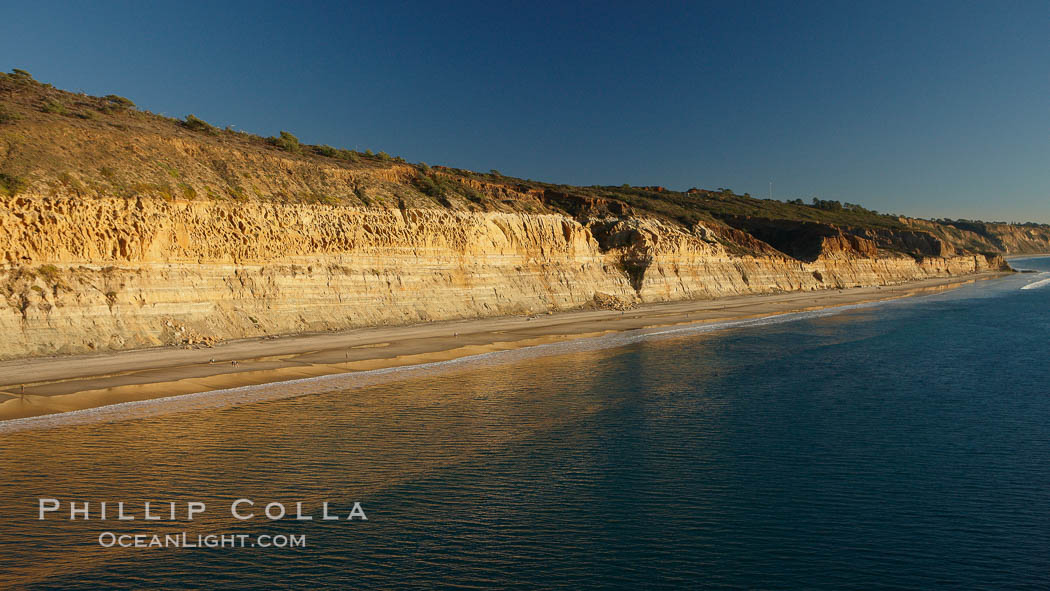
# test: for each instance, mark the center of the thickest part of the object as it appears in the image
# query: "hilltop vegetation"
(54, 142)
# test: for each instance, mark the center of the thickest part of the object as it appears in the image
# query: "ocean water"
(902, 445)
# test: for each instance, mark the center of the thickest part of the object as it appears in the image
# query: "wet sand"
(39, 386)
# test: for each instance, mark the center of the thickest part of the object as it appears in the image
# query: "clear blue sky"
(924, 108)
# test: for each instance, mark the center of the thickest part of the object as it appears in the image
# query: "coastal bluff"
(115, 273)
(121, 229)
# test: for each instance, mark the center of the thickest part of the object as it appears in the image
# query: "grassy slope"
(60, 142)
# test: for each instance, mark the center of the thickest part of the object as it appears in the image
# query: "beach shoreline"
(44, 386)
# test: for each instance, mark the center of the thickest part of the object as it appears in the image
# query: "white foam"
(361, 379)
(1038, 284)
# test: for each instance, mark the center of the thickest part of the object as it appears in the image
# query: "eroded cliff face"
(995, 237)
(115, 273)
(121, 228)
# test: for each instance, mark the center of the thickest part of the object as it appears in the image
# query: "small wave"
(361, 379)
(1037, 284)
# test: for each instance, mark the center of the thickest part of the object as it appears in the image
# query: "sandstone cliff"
(123, 229)
(113, 273)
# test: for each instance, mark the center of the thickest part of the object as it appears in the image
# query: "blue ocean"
(903, 445)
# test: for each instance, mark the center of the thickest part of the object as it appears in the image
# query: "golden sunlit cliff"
(124, 229)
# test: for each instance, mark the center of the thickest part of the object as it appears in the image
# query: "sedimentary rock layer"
(113, 273)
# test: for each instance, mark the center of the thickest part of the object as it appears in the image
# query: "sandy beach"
(39, 386)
